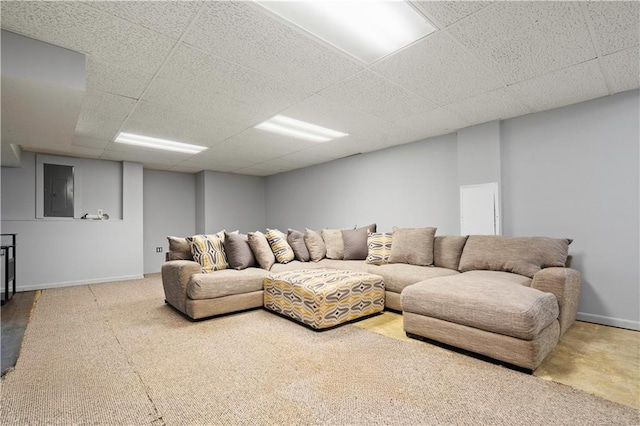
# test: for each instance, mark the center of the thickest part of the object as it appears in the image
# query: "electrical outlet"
(158, 249)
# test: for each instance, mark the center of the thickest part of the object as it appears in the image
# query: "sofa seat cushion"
(225, 283)
(497, 306)
(499, 277)
(345, 265)
(295, 265)
(397, 276)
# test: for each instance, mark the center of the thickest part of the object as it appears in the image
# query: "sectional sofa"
(507, 298)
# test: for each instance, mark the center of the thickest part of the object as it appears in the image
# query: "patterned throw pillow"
(279, 245)
(208, 251)
(379, 246)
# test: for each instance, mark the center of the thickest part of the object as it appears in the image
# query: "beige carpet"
(115, 354)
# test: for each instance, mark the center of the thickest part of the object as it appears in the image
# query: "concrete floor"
(601, 360)
(14, 317)
(597, 359)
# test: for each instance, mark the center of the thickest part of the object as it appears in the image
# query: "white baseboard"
(79, 282)
(614, 322)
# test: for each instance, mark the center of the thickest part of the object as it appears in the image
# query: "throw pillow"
(296, 241)
(238, 251)
(279, 245)
(335, 245)
(447, 251)
(261, 249)
(413, 246)
(519, 255)
(315, 245)
(355, 242)
(208, 251)
(179, 248)
(379, 248)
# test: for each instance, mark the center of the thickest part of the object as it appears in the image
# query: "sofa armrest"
(564, 283)
(175, 277)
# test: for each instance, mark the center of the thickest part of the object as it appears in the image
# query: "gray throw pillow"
(296, 241)
(261, 250)
(447, 251)
(355, 242)
(239, 254)
(179, 248)
(315, 245)
(413, 246)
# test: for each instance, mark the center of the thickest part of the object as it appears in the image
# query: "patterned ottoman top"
(316, 279)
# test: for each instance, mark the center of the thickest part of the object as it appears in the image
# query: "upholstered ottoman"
(324, 298)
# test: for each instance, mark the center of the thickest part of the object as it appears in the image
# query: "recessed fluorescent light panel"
(368, 30)
(299, 129)
(155, 143)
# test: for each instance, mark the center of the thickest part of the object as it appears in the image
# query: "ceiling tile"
(256, 146)
(169, 18)
(83, 29)
(616, 25)
(219, 164)
(96, 125)
(107, 103)
(84, 142)
(142, 155)
(105, 77)
(434, 122)
(521, 40)
(495, 105)
(332, 115)
(622, 70)
(304, 158)
(185, 169)
(165, 122)
(215, 75)
(375, 95)
(203, 103)
(438, 69)
(73, 151)
(255, 171)
(565, 87)
(445, 13)
(249, 35)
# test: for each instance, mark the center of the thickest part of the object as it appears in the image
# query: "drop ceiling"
(206, 73)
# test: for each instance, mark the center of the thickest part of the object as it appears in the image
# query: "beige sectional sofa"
(510, 299)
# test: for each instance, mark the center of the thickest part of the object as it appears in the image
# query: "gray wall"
(479, 154)
(55, 252)
(573, 172)
(232, 202)
(169, 209)
(411, 185)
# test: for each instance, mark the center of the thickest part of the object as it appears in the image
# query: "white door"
(479, 209)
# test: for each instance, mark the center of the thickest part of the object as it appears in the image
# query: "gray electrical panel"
(58, 190)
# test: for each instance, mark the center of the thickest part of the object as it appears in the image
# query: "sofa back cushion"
(355, 242)
(447, 251)
(315, 245)
(238, 251)
(334, 243)
(261, 249)
(296, 241)
(179, 249)
(520, 255)
(413, 246)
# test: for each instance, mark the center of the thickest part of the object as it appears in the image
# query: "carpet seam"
(158, 416)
